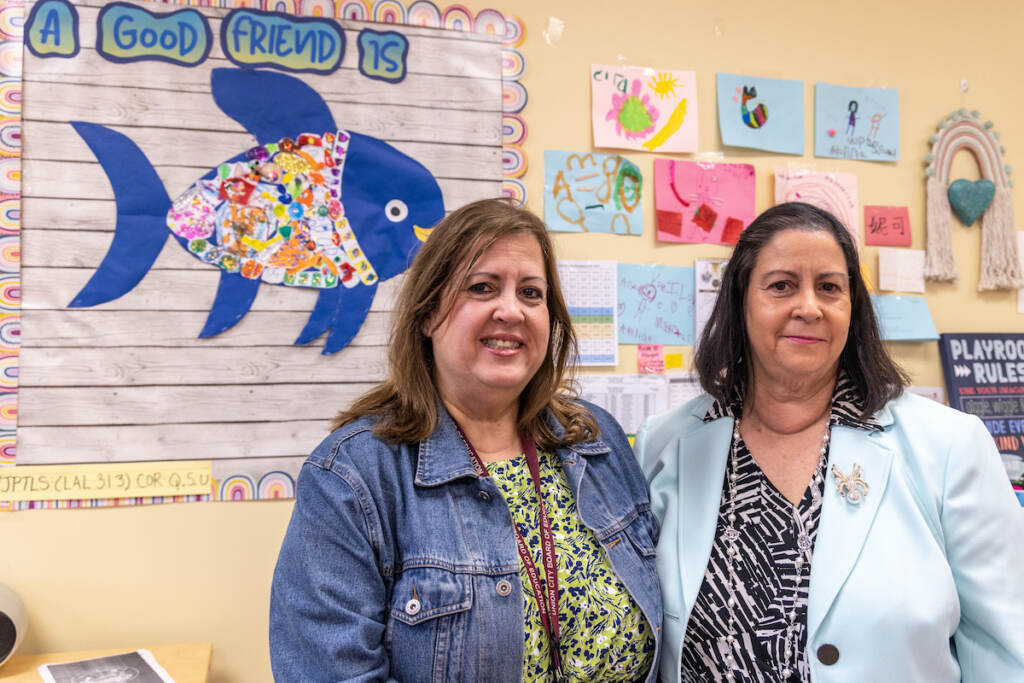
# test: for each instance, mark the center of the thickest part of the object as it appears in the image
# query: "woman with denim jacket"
(468, 520)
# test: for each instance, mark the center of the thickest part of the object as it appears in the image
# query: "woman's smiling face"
(496, 335)
(797, 307)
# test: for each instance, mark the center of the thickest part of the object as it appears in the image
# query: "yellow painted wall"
(173, 573)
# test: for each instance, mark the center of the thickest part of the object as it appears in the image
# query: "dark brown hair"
(406, 403)
(723, 354)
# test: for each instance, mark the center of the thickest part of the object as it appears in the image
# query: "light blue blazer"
(935, 551)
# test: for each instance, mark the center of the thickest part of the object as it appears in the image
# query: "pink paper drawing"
(702, 202)
(834, 192)
(641, 108)
(887, 226)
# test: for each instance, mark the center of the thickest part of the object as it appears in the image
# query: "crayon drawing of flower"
(634, 115)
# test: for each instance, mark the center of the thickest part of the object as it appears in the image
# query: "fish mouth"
(422, 233)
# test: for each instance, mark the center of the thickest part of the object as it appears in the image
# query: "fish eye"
(396, 210)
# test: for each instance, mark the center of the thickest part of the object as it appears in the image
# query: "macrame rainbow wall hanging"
(989, 198)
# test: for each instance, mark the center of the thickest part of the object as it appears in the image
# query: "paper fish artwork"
(592, 193)
(642, 108)
(702, 202)
(834, 192)
(856, 123)
(761, 113)
(311, 205)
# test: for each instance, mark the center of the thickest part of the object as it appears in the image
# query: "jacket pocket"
(425, 593)
(643, 533)
(426, 628)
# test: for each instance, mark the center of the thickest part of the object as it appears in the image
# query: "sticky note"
(887, 226)
(650, 358)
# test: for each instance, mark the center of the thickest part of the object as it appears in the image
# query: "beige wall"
(173, 573)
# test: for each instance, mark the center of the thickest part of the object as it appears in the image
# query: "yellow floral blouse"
(604, 635)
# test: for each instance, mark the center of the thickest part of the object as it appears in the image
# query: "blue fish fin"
(353, 305)
(235, 295)
(270, 105)
(142, 205)
(324, 311)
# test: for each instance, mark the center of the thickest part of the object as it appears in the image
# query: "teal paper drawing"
(761, 113)
(856, 123)
(655, 304)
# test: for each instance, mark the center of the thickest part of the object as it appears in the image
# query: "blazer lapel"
(702, 462)
(844, 526)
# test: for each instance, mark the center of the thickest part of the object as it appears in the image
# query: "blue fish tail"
(142, 205)
(234, 298)
(323, 314)
(353, 305)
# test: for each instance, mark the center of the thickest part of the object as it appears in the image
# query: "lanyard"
(548, 605)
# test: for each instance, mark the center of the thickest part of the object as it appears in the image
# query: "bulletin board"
(102, 353)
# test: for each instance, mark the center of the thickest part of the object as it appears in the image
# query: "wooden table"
(186, 663)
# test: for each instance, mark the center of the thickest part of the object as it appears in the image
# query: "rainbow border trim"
(12, 19)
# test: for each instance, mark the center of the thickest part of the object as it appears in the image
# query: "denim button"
(504, 587)
(484, 496)
(412, 608)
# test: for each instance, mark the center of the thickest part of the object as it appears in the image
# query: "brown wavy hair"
(406, 403)
(723, 354)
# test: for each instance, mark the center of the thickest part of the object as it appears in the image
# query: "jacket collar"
(443, 455)
(842, 529)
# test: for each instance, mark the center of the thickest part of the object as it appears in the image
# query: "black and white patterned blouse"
(765, 566)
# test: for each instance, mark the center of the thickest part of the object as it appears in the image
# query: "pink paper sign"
(650, 358)
(635, 107)
(834, 192)
(887, 226)
(702, 202)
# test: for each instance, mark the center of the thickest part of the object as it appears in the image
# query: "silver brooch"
(851, 487)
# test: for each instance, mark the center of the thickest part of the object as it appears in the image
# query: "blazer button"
(412, 608)
(503, 588)
(828, 654)
(484, 496)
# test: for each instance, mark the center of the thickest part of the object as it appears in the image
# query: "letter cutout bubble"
(382, 55)
(126, 33)
(251, 39)
(52, 29)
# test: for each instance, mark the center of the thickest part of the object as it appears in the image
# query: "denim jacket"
(400, 563)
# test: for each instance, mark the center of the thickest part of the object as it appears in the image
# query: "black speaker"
(13, 622)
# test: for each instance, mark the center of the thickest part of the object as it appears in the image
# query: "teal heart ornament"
(970, 199)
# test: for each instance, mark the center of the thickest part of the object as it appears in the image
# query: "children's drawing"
(275, 213)
(655, 304)
(702, 202)
(834, 192)
(641, 108)
(592, 193)
(856, 123)
(761, 113)
(754, 115)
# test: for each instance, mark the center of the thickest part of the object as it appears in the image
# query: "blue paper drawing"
(590, 192)
(275, 213)
(761, 113)
(856, 123)
(904, 318)
(655, 304)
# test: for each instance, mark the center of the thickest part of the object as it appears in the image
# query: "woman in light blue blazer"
(818, 523)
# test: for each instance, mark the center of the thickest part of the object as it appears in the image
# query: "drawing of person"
(876, 122)
(852, 124)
